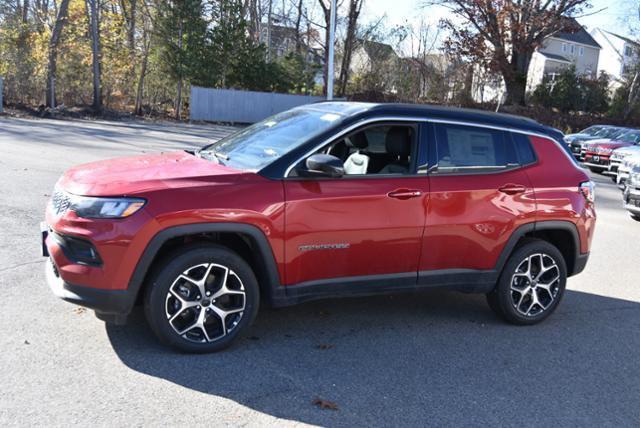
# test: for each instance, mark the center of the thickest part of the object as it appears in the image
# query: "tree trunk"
(131, 41)
(143, 72)
(516, 89)
(269, 25)
(634, 94)
(298, 20)
(515, 78)
(61, 18)
(326, 10)
(178, 106)
(352, 23)
(93, 9)
(25, 11)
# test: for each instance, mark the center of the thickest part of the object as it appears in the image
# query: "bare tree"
(52, 55)
(355, 6)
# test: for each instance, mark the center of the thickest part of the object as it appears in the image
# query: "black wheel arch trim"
(272, 277)
(579, 259)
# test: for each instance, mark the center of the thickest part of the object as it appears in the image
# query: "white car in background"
(622, 161)
(631, 194)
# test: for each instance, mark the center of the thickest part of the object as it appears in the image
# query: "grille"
(60, 202)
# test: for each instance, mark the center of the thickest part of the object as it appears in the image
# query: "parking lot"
(436, 358)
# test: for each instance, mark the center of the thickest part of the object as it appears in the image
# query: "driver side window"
(376, 150)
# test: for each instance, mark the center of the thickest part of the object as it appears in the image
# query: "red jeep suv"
(330, 199)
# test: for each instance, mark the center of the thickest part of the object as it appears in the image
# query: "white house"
(618, 54)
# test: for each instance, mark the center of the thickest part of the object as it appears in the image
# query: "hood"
(576, 136)
(628, 150)
(604, 147)
(583, 137)
(136, 174)
(608, 144)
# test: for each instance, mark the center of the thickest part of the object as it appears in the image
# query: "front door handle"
(512, 189)
(404, 194)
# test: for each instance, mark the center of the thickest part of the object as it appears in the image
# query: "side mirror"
(323, 165)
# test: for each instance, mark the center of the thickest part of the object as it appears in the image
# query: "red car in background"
(597, 153)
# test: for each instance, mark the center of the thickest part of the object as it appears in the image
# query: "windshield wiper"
(219, 156)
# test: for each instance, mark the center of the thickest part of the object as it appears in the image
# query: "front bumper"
(595, 166)
(622, 178)
(111, 305)
(632, 200)
(595, 161)
(614, 167)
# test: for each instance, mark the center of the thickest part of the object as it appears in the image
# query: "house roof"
(626, 39)
(554, 56)
(574, 32)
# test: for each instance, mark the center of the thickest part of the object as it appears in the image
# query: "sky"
(611, 15)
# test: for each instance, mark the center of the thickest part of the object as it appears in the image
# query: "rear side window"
(473, 149)
(525, 152)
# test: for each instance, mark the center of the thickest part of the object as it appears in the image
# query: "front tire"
(531, 285)
(201, 298)
(636, 217)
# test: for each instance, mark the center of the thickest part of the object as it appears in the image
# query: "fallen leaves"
(79, 310)
(324, 346)
(324, 404)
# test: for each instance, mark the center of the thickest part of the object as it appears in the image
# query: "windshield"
(262, 143)
(592, 130)
(630, 137)
(612, 132)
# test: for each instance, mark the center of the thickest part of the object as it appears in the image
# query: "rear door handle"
(512, 189)
(404, 194)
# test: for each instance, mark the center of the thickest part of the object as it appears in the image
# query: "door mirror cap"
(323, 165)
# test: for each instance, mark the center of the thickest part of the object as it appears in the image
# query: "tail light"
(587, 189)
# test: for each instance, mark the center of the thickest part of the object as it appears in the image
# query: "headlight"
(89, 207)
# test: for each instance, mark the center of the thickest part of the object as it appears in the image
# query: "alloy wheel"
(205, 303)
(535, 284)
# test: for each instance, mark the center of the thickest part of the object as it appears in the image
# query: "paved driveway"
(430, 359)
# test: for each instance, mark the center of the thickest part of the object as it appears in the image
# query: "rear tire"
(201, 298)
(531, 284)
(636, 217)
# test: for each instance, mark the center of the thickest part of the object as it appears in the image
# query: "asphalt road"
(429, 359)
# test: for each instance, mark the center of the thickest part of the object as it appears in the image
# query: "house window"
(573, 49)
(581, 51)
(564, 47)
(628, 51)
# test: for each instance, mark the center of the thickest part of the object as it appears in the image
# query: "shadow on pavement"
(433, 358)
